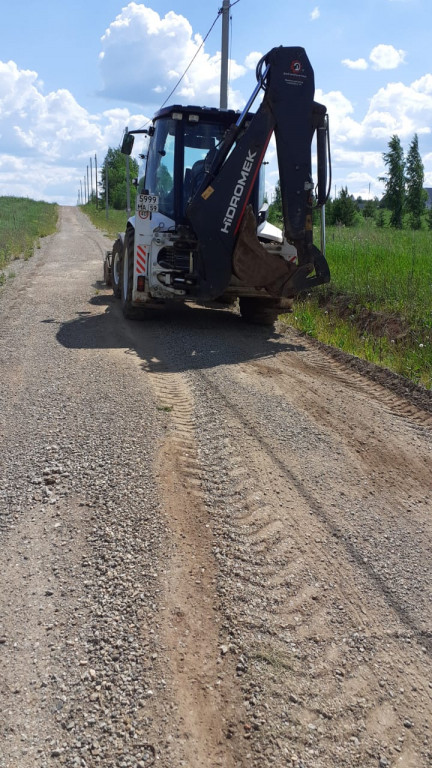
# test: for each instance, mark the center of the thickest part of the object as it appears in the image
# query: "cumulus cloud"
(400, 109)
(386, 57)
(358, 144)
(357, 157)
(315, 14)
(252, 59)
(427, 160)
(381, 57)
(46, 139)
(394, 109)
(356, 64)
(344, 128)
(161, 49)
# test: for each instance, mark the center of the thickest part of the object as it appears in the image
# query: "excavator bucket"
(257, 266)
(254, 265)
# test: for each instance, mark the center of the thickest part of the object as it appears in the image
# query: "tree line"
(402, 205)
(113, 171)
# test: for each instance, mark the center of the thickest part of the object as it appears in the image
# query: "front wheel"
(126, 281)
(116, 260)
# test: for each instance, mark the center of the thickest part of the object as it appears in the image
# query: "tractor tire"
(126, 280)
(116, 261)
(107, 274)
(260, 311)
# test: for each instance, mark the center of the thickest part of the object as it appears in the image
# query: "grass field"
(116, 221)
(22, 223)
(379, 302)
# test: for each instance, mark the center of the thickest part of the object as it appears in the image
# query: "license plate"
(149, 203)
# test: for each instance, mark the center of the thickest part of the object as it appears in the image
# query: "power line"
(193, 59)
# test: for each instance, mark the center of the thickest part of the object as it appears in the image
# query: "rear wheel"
(126, 280)
(107, 273)
(116, 260)
(260, 311)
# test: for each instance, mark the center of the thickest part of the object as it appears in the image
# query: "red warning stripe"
(141, 260)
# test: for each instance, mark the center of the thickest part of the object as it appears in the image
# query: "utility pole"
(128, 208)
(96, 180)
(88, 188)
(224, 55)
(91, 179)
(81, 190)
(106, 189)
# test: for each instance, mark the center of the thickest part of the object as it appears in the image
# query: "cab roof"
(212, 113)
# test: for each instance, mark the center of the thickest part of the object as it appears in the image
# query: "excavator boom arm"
(217, 211)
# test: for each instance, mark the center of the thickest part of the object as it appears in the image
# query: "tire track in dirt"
(331, 397)
(331, 368)
(205, 700)
(302, 606)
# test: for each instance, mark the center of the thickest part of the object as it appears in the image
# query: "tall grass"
(22, 223)
(379, 302)
(385, 268)
(116, 221)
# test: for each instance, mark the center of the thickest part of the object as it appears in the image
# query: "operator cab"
(181, 150)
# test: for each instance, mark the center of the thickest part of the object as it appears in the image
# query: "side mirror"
(135, 182)
(127, 144)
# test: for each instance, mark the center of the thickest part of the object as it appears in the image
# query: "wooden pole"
(96, 181)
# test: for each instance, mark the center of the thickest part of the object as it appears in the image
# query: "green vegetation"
(395, 181)
(116, 221)
(22, 223)
(378, 305)
(415, 194)
(114, 166)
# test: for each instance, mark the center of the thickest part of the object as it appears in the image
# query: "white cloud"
(386, 57)
(252, 59)
(356, 64)
(18, 88)
(315, 14)
(400, 109)
(365, 158)
(358, 145)
(161, 49)
(47, 139)
(423, 85)
(427, 161)
(344, 129)
(381, 57)
(394, 109)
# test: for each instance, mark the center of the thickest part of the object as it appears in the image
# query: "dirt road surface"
(215, 540)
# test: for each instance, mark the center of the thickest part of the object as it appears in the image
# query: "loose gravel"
(215, 540)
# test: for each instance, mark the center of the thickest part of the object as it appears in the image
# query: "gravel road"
(215, 540)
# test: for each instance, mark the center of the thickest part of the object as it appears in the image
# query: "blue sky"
(73, 75)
